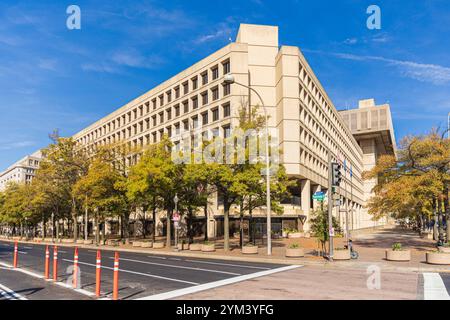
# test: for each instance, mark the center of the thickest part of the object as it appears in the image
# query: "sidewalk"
(371, 246)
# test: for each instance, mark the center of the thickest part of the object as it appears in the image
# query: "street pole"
(330, 206)
(448, 125)
(86, 222)
(53, 227)
(230, 80)
(175, 200)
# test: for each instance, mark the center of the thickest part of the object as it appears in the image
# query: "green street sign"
(318, 197)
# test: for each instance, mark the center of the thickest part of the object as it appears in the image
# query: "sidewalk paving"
(371, 246)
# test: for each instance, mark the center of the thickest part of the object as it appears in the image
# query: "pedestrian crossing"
(436, 286)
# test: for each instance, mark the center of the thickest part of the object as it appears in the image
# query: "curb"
(281, 261)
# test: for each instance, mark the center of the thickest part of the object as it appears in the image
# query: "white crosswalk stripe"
(434, 288)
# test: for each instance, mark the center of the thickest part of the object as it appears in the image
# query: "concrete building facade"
(22, 171)
(308, 125)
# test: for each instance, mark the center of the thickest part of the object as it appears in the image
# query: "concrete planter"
(112, 242)
(88, 241)
(146, 244)
(195, 247)
(249, 250)
(183, 246)
(444, 249)
(79, 241)
(158, 245)
(295, 252)
(48, 239)
(341, 254)
(427, 235)
(67, 241)
(38, 240)
(295, 235)
(208, 247)
(438, 258)
(398, 255)
(137, 243)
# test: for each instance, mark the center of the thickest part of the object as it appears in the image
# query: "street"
(141, 275)
(152, 276)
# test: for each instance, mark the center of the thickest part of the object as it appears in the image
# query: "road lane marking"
(33, 274)
(162, 258)
(29, 248)
(434, 287)
(7, 291)
(138, 273)
(180, 267)
(229, 264)
(215, 284)
(22, 252)
(82, 291)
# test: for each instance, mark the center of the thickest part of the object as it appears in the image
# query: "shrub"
(294, 246)
(397, 247)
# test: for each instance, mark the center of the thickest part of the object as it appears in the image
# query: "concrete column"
(305, 186)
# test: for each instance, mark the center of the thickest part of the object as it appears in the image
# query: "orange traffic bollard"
(75, 269)
(47, 263)
(16, 250)
(116, 277)
(55, 263)
(98, 273)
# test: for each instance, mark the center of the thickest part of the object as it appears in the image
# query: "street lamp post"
(175, 200)
(229, 79)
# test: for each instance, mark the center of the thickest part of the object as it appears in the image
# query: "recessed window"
(215, 114)
(177, 110)
(205, 78)
(186, 106)
(194, 83)
(215, 93)
(226, 89)
(205, 98)
(226, 67)
(205, 118)
(226, 110)
(215, 72)
(186, 87)
(194, 102)
(186, 125)
(177, 92)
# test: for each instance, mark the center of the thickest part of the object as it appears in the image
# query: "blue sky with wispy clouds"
(51, 77)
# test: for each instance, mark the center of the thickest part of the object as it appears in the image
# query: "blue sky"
(52, 77)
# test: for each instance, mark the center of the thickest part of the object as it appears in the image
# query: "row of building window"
(168, 97)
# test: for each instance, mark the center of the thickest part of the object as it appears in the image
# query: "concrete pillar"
(305, 186)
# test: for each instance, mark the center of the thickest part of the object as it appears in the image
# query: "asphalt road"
(141, 275)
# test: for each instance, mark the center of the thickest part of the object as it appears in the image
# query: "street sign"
(319, 196)
(331, 232)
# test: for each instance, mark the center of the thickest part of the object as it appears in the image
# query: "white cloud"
(433, 73)
(16, 145)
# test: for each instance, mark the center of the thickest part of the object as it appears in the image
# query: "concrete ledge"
(295, 252)
(341, 254)
(159, 245)
(249, 250)
(398, 255)
(438, 258)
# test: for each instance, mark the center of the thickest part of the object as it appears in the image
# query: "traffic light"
(336, 175)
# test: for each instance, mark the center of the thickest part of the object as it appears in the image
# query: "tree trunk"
(205, 212)
(168, 229)
(190, 233)
(74, 219)
(154, 222)
(441, 222)
(226, 225)
(241, 226)
(97, 230)
(447, 212)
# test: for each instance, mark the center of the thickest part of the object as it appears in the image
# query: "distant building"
(22, 171)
